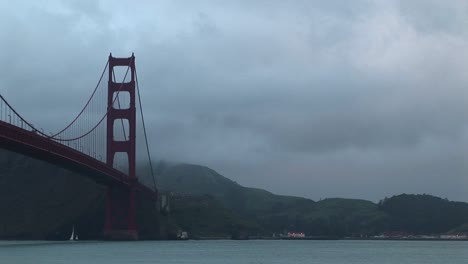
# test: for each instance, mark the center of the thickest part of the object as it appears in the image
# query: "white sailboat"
(73, 236)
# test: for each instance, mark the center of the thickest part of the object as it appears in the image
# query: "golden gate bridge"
(100, 142)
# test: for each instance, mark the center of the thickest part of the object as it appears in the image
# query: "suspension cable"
(76, 138)
(22, 119)
(108, 110)
(144, 130)
(86, 105)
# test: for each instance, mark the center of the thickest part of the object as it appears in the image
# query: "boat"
(73, 236)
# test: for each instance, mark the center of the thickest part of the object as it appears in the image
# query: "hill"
(273, 213)
(204, 216)
(194, 179)
(269, 213)
(423, 214)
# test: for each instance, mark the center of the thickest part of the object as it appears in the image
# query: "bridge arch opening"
(121, 129)
(122, 100)
(121, 162)
(118, 73)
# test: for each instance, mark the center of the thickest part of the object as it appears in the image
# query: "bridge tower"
(120, 201)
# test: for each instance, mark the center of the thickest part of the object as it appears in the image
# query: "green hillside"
(260, 212)
(204, 216)
(273, 213)
(424, 214)
(194, 179)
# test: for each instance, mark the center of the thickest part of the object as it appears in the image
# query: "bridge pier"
(120, 214)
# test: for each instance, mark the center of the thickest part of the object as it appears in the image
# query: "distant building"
(454, 236)
(296, 235)
(182, 235)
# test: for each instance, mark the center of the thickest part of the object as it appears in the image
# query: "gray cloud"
(355, 99)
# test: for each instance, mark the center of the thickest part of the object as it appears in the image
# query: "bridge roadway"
(34, 145)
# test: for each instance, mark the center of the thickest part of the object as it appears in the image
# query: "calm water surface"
(252, 251)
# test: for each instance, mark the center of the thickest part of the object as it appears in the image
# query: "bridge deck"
(34, 145)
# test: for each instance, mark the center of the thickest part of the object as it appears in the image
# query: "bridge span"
(90, 146)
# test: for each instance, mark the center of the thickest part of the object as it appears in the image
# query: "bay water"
(229, 251)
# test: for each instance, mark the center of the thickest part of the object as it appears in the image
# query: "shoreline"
(255, 238)
(333, 238)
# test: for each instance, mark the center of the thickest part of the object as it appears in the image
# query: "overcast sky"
(356, 99)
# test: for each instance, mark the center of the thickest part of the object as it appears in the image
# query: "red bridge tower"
(120, 201)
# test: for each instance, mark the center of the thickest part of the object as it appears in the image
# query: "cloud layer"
(361, 99)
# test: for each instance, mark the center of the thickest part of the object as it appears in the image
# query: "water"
(252, 251)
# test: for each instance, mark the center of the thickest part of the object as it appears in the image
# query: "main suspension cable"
(53, 137)
(144, 131)
(86, 105)
(105, 115)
